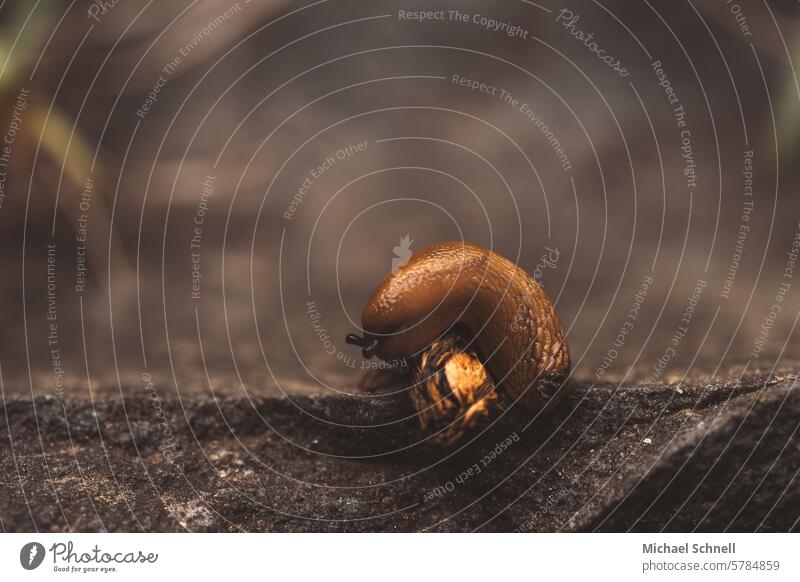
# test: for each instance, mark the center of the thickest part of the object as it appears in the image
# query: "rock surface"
(706, 457)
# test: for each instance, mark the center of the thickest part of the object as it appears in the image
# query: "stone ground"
(705, 456)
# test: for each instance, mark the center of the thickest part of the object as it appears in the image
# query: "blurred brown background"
(141, 126)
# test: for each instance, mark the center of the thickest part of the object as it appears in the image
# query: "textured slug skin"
(456, 285)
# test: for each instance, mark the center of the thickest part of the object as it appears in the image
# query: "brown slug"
(499, 313)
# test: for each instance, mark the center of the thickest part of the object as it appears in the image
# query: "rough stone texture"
(709, 457)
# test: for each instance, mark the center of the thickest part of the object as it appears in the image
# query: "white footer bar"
(378, 557)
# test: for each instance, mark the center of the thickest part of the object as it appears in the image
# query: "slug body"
(463, 288)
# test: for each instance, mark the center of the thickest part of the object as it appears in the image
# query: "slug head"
(416, 304)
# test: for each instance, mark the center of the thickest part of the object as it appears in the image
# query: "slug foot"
(451, 392)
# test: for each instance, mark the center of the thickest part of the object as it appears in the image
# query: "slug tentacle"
(463, 289)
